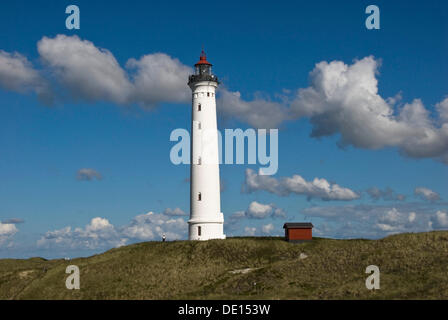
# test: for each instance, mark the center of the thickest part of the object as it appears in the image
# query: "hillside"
(413, 266)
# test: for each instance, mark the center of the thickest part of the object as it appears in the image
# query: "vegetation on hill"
(412, 266)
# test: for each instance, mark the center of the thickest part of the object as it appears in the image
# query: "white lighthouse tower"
(206, 219)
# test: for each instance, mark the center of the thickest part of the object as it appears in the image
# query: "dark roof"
(298, 225)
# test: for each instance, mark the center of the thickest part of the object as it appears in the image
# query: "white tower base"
(208, 230)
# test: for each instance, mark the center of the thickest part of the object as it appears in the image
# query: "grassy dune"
(413, 266)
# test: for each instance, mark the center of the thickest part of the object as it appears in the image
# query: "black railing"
(202, 77)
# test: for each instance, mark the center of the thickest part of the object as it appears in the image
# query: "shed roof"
(297, 225)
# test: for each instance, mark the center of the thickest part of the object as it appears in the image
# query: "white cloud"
(174, 212)
(88, 174)
(318, 188)
(151, 226)
(440, 220)
(393, 221)
(374, 221)
(159, 78)
(257, 210)
(386, 194)
(279, 213)
(442, 109)
(99, 225)
(426, 194)
(268, 228)
(343, 99)
(250, 231)
(17, 74)
(89, 73)
(259, 113)
(100, 233)
(7, 231)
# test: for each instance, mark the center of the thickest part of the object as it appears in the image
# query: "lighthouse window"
(199, 160)
(199, 231)
(199, 107)
(199, 126)
(208, 94)
(199, 196)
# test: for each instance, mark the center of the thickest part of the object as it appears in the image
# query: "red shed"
(298, 231)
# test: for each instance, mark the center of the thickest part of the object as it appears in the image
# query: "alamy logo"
(72, 281)
(205, 151)
(373, 20)
(73, 20)
(373, 281)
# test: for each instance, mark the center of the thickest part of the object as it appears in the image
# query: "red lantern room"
(203, 71)
(203, 67)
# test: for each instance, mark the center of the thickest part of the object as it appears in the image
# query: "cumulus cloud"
(264, 230)
(17, 74)
(267, 228)
(259, 113)
(159, 78)
(343, 99)
(91, 74)
(87, 174)
(174, 212)
(7, 231)
(151, 225)
(442, 109)
(318, 188)
(250, 231)
(386, 194)
(426, 194)
(393, 221)
(260, 211)
(257, 210)
(440, 220)
(87, 72)
(100, 233)
(373, 221)
(78, 70)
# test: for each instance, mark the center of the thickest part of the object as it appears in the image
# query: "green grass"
(413, 266)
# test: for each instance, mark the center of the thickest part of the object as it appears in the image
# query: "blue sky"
(259, 49)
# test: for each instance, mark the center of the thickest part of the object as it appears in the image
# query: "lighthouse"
(206, 219)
